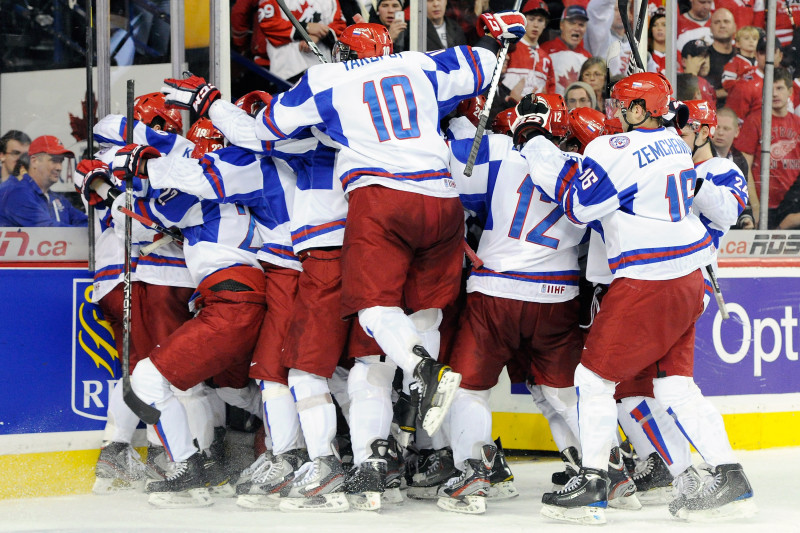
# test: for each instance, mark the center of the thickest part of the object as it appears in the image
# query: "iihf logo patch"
(618, 143)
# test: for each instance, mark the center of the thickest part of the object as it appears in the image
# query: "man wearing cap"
(29, 202)
(694, 60)
(567, 51)
(695, 23)
(529, 68)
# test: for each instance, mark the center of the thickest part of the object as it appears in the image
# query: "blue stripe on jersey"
(212, 174)
(111, 272)
(644, 256)
(559, 277)
(274, 197)
(318, 175)
(162, 261)
(422, 175)
(279, 250)
(494, 170)
(626, 198)
(477, 203)
(600, 188)
(331, 120)
(309, 232)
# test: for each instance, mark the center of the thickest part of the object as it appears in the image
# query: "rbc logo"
(95, 362)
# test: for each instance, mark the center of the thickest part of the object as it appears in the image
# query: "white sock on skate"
(597, 419)
(280, 417)
(315, 410)
(470, 423)
(370, 390)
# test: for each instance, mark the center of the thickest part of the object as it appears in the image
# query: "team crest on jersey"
(619, 143)
(95, 361)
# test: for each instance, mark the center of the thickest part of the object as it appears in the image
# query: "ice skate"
(395, 468)
(119, 468)
(317, 487)
(184, 486)
(157, 463)
(621, 488)
(629, 456)
(271, 480)
(406, 409)
(466, 492)
(583, 500)
(572, 463)
(653, 480)
(434, 468)
(501, 479)
(219, 482)
(687, 485)
(366, 483)
(436, 384)
(260, 463)
(725, 495)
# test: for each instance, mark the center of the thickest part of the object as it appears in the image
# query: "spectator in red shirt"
(745, 96)
(695, 23)
(567, 51)
(784, 151)
(745, 59)
(694, 59)
(784, 29)
(529, 68)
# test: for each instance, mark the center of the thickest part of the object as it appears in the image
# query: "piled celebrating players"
(326, 243)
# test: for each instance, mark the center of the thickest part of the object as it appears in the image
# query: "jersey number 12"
(404, 122)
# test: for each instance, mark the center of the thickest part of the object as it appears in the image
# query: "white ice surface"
(773, 474)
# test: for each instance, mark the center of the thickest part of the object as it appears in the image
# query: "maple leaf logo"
(78, 124)
(569, 76)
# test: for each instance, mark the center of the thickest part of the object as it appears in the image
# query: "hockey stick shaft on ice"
(147, 413)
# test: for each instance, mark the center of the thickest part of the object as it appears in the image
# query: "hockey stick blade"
(626, 23)
(146, 413)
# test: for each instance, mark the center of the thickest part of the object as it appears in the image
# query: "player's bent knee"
(427, 319)
(372, 317)
(590, 384)
(370, 377)
(149, 384)
(675, 391)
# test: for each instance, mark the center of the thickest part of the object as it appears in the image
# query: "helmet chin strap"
(696, 147)
(625, 116)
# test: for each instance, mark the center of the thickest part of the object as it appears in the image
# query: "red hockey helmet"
(254, 101)
(362, 40)
(205, 136)
(651, 87)
(701, 114)
(503, 120)
(471, 108)
(539, 113)
(149, 106)
(585, 125)
(613, 126)
(559, 116)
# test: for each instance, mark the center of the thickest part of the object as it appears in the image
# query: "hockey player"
(655, 250)
(391, 257)
(161, 286)
(521, 304)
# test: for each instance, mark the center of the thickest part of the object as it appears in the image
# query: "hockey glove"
(533, 116)
(129, 161)
(505, 26)
(89, 174)
(193, 92)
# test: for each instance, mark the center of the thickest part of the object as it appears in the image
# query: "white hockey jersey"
(383, 114)
(528, 246)
(234, 174)
(638, 187)
(720, 205)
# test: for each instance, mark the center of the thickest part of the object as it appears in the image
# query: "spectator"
(443, 32)
(743, 13)
(727, 132)
(745, 58)
(606, 26)
(694, 59)
(567, 51)
(657, 41)
(594, 72)
(721, 51)
(466, 13)
(246, 36)
(13, 144)
(784, 23)
(746, 95)
(289, 55)
(695, 23)
(386, 14)
(687, 88)
(580, 94)
(29, 202)
(785, 149)
(529, 69)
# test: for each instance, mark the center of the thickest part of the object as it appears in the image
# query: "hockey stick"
(111, 193)
(626, 23)
(717, 292)
(640, 20)
(487, 106)
(146, 413)
(472, 256)
(301, 30)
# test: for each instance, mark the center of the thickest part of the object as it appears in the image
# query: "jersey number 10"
(404, 124)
